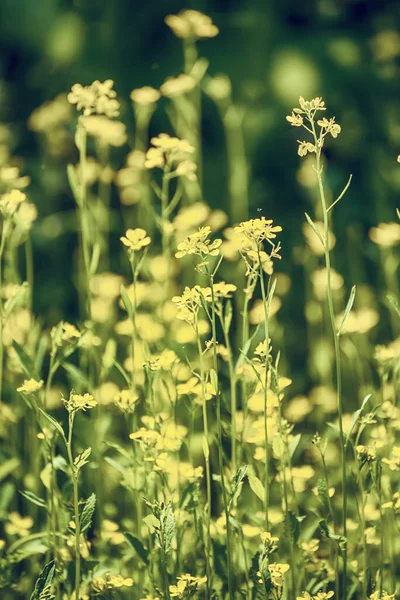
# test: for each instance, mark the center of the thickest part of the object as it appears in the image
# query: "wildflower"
(269, 542)
(110, 533)
(80, 402)
(70, 332)
(199, 244)
(110, 582)
(50, 115)
(126, 400)
(319, 596)
(186, 583)
(177, 86)
(145, 95)
(170, 151)
(330, 126)
(310, 106)
(135, 239)
(108, 132)
(18, 525)
(365, 454)
(221, 290)
(95, 98)
(385, 235)
(10, 202)
(393, 462)
(295, 120)
(277, 571)
(304, 148)
(258, 230)
(360, 321)
(188, 303)
(191, 24)
(190, 217)
(384, 596)
(30, 386)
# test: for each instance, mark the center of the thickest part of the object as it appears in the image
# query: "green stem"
(219, 428)
(266, 327)
(207, 461)
(337, 349)
(76, 507)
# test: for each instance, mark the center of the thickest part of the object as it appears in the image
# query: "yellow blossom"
(135, 239)
(277, 571)
(191, 24)
(80, 402)
(18, 525)
(97, 98)
(30, 386)
(145, 95)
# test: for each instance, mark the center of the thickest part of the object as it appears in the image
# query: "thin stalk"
(266, 327)
(337, 350)
(76, 507)
(207, 460)
(219, 429)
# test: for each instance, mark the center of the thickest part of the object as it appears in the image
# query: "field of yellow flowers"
(154, 449)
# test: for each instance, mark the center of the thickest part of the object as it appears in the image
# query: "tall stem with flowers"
(318, 129)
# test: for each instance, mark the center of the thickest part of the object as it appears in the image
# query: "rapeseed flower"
(135, 239)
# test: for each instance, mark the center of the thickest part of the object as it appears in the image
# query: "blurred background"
(347, 51)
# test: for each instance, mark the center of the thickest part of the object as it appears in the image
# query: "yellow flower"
(386, 234)
(145, 95)
(108, 132)
(110, 533)
(80, 402)
(191, 24)
(330, 126)
(30, 386)
(18, 525)
(295, 120)
(172, 151)
(199, 244)
(305, 147)
(95, 98)
(258, 230)
(177, 86)
(118, 581)
(126, 400)
(135, 239)
(277, 571)
(70, 332)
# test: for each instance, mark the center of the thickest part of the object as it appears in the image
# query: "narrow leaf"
(348, 308)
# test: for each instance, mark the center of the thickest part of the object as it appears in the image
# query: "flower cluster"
(199, 244)
(110, 582)
(172, 152)
(97, 98)
(188, 303)
(79, 402)
(305, 117)
(191, 24)
(258, 230)
(186, 584)
(10, 202)
(318, 596)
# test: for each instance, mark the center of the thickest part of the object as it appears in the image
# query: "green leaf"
(94, 263)
(237, 481)
(26, 361)
(126, 301)
(257, 487)
(73, 182)
(348, 308)
(87, 513)
(55, 423)
(293, 445)
(138, 546)
(315, 230)
(292, 526)
(78, 377)
(356, 415)
(394, 304)
(44, 580)
(34, 499)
